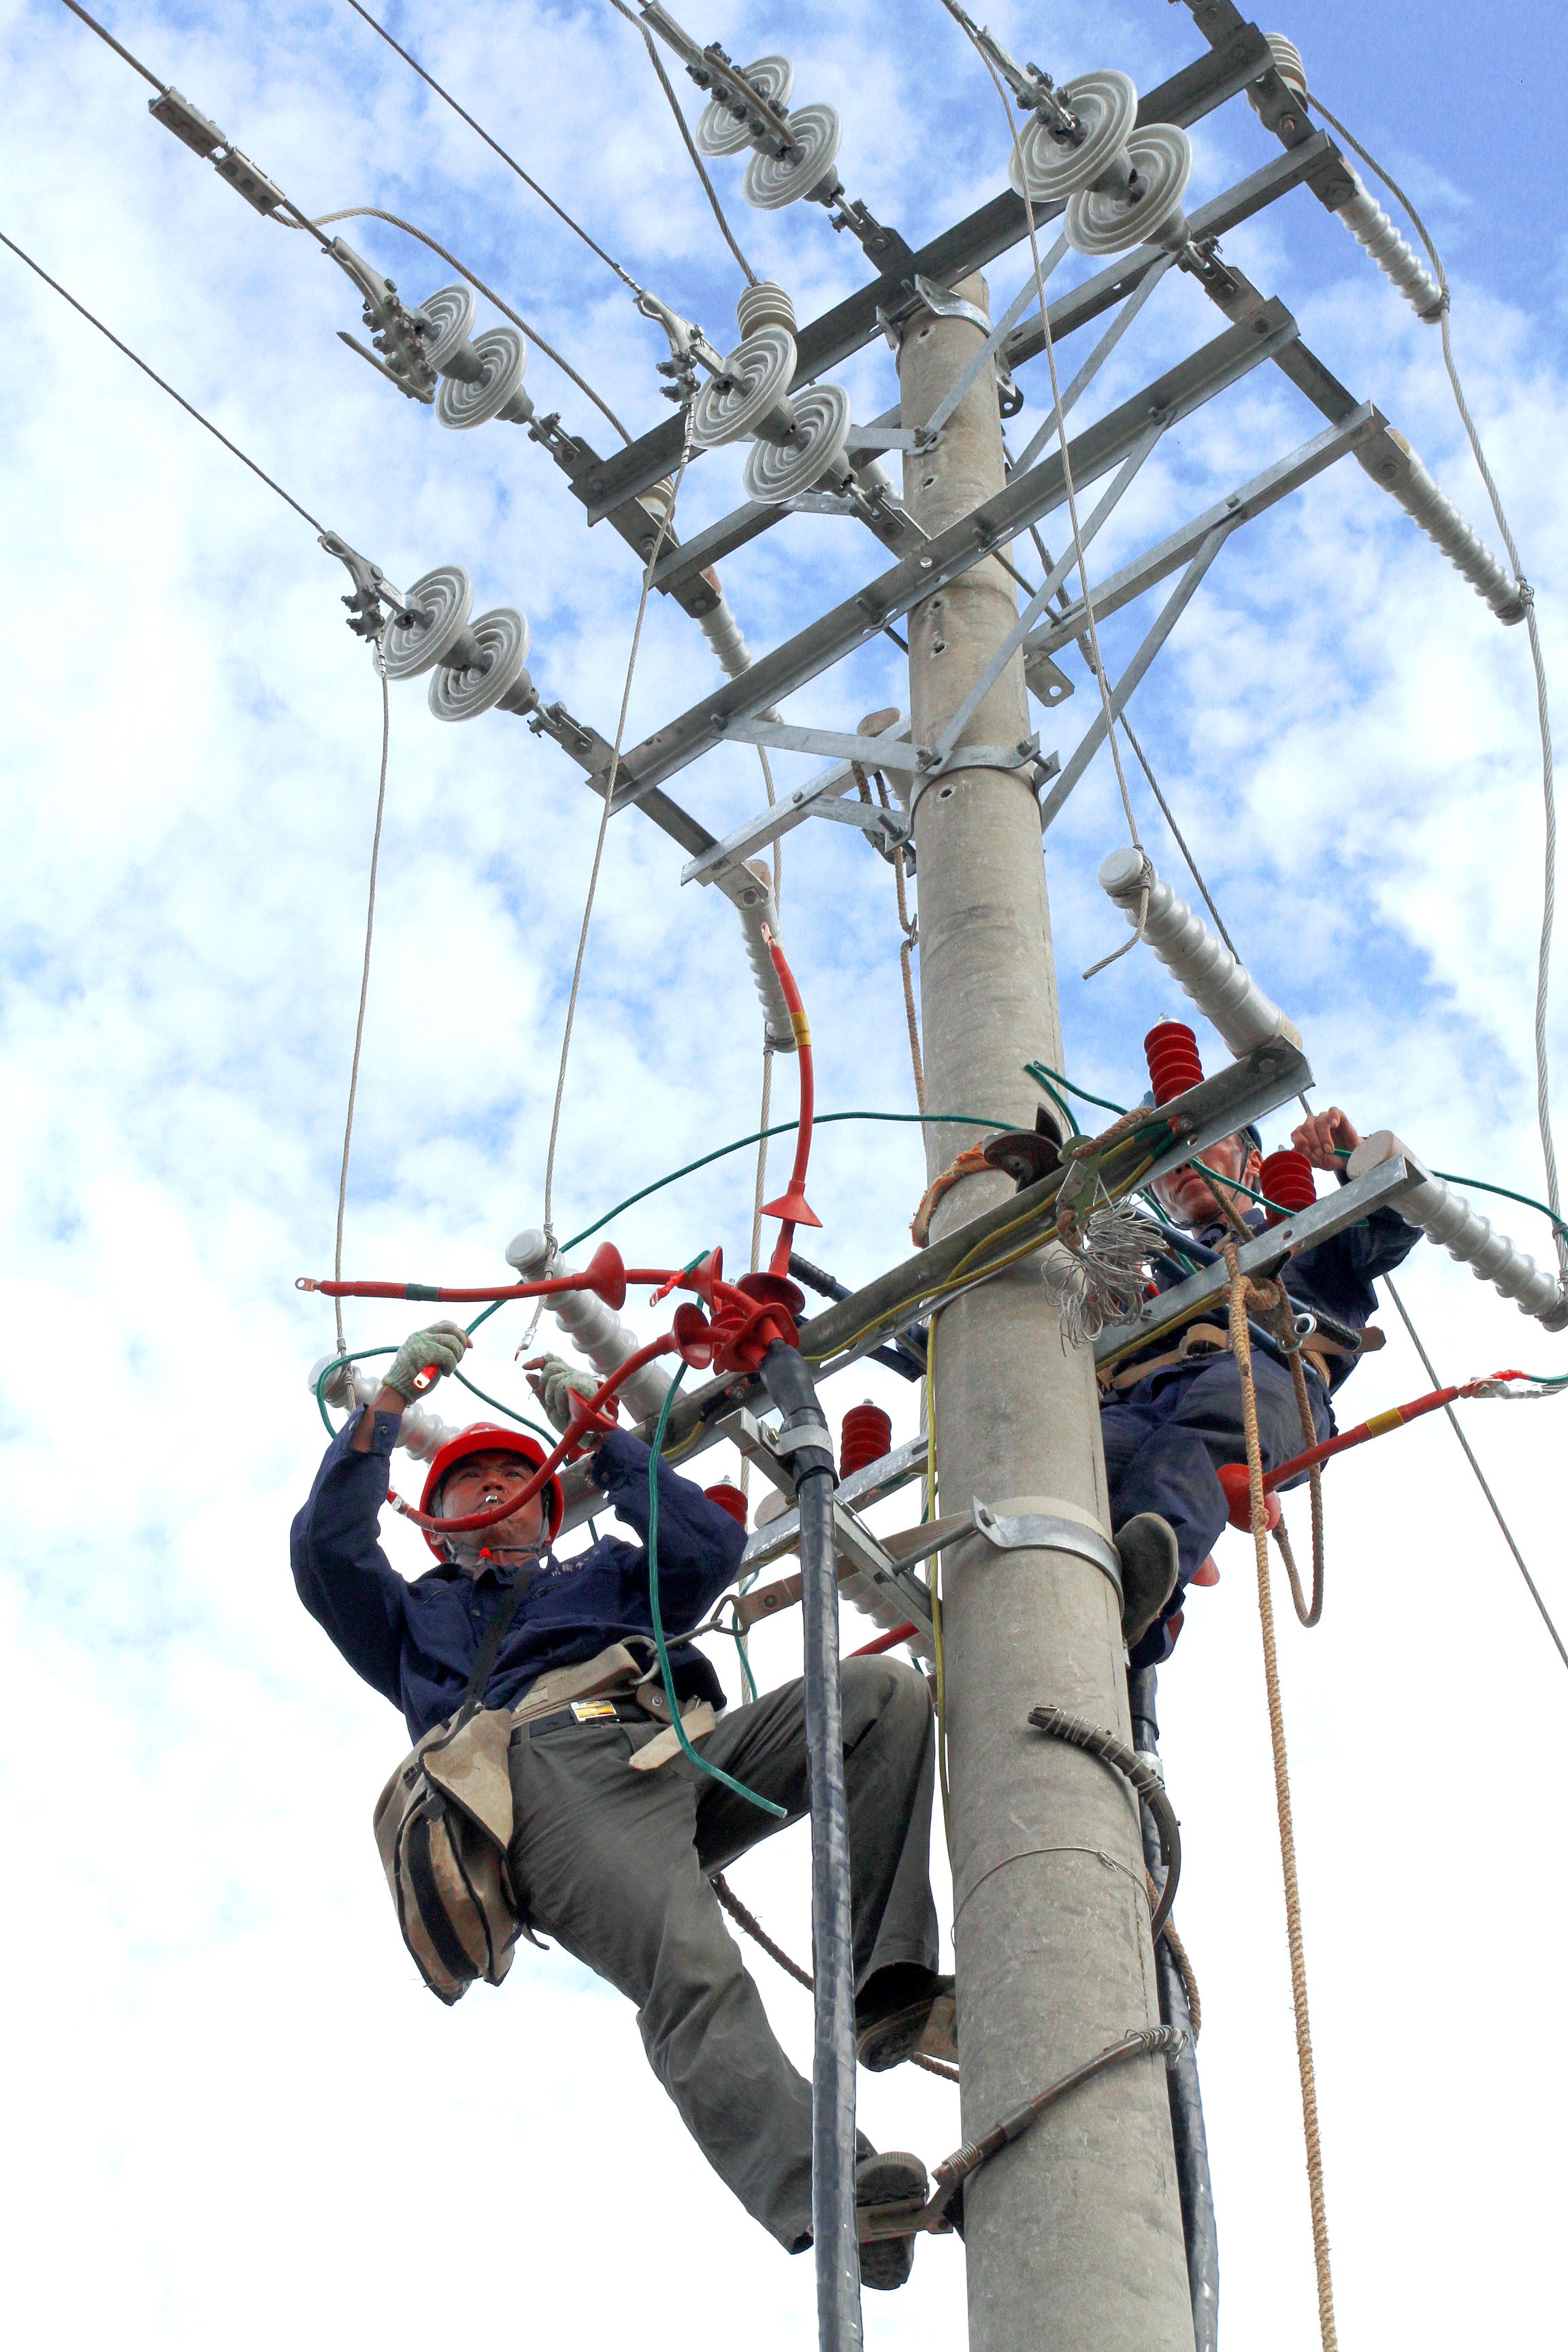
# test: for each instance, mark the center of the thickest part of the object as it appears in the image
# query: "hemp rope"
(1241, 1346)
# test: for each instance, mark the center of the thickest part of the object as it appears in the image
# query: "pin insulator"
(729, 1498)
(863, 1436)
(1172, 1051)
(1287, 1179)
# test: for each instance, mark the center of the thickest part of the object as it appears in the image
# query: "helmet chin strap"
(474, 1556)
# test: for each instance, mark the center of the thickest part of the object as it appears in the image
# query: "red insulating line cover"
(473, 1520)
(885, 1642)
(791, 1206)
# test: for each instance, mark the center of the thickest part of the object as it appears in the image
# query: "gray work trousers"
(614, 1865)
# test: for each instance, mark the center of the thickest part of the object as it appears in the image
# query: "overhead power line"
(690, 145)
(495, 146)
(105, 34)
(205, 422)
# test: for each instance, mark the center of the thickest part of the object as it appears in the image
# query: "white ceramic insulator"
(1223, 990)
(595, 1330)
(1445, 1216)
(1443, 523)
(420, 1433)
(1371, 226)
(757, 906)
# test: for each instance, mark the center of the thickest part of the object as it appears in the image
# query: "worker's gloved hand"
(1319, 1135)
(439, 1347)
(555, 1383)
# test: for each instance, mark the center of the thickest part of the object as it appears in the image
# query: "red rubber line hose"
(473, 1520)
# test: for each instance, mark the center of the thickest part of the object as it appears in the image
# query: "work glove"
(439, 1347)
(555, 1383)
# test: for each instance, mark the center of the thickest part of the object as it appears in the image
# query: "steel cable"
(496, 148)
(611, 784)
(363, 985)
(204, 422)
(690, 145)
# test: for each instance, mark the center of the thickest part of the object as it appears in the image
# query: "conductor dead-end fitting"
(1222, 989)
(1445, 1217)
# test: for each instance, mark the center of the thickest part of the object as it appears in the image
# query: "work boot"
(898, 2179)
(1146, 1548)
(906, 2010)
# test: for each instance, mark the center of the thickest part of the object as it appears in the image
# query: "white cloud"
(236, 2107)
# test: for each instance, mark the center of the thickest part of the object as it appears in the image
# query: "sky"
(229, 2091)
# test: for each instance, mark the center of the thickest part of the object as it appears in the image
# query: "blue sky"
(226, 2050)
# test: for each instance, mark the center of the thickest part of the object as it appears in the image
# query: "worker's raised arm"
(341, 1572)
(699, 1545)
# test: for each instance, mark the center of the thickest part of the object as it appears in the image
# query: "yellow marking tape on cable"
(1380, 1422)
(798, 1022)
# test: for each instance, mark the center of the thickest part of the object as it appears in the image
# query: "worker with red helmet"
(614, 1864)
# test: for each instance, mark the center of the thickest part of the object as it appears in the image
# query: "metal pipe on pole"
(1076, 2233)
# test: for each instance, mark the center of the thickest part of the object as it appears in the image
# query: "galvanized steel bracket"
(1040, 1532)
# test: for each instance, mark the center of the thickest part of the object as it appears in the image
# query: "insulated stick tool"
(1233, 1475)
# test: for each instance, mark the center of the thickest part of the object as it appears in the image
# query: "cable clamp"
(805, 1433)
(1049, 1531)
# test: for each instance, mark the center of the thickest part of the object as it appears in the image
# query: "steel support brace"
(1125, 477)
(1254, 498)
(1170, 612)
(952, 552)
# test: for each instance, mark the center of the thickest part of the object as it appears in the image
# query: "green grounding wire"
(765, 1804)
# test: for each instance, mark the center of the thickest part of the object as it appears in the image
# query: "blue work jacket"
(416, 1642)
(1337, 1276)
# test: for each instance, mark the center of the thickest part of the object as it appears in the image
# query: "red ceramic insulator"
(863, 1436)
(729, 1498)
(1174, 1064)
(1286, 1179)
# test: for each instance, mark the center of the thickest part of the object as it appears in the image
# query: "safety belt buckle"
(594, 1710)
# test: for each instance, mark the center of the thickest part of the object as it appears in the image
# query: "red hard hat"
(491, 1437)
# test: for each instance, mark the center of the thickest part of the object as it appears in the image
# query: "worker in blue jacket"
(1171, 1415)
(616, 1866)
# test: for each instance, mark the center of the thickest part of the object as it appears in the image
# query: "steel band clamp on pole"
(1049, 1531)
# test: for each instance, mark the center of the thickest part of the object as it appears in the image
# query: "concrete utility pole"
(1074, 2235)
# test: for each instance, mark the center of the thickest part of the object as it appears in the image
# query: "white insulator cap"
(1223, 990)
(1445, 1216)
(1287, 65)
(595, 1330)
(1443, 523)
(1371, 226)
(766, 304)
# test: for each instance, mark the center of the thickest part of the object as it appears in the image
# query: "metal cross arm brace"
(815, 799)
(995, 229)
(1254, 498)
(1348, 1206)
(951, 554)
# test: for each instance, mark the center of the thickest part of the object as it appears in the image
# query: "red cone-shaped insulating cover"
(606, 1273)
